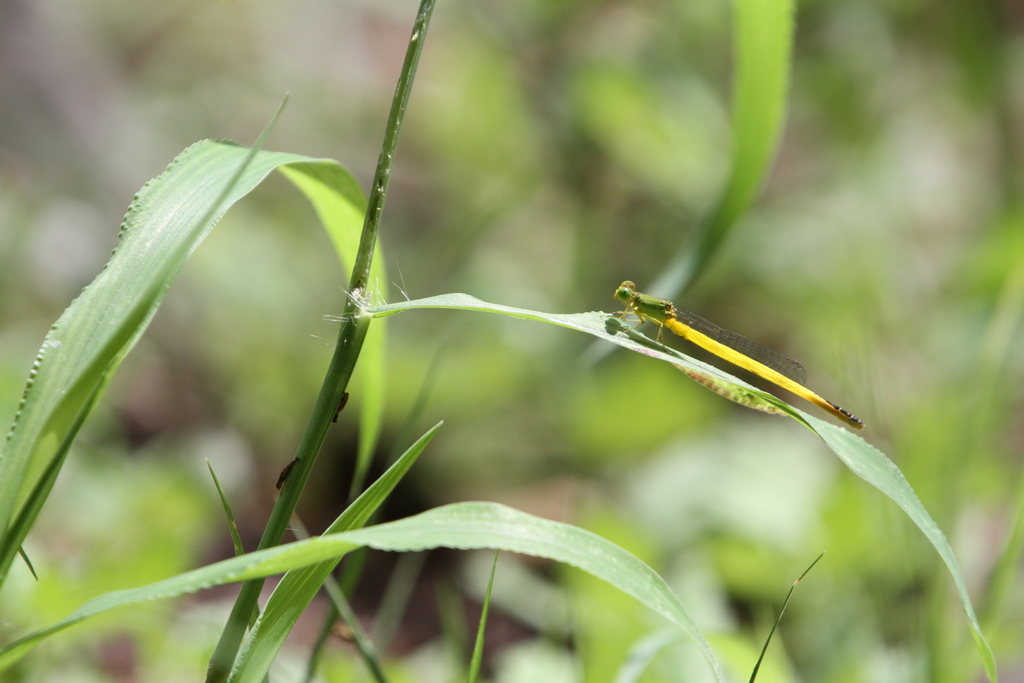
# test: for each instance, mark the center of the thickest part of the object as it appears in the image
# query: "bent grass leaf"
(466, 526)
(167, 220)
(866, 461)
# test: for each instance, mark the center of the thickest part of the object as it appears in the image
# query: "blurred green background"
(552, 149)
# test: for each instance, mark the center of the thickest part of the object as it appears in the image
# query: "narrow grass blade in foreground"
(295, 591)
(862, 458)
(236, 538)
(478, 645)
(778, 620)
(462, 525)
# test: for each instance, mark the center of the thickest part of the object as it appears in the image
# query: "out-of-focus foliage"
(551, 150)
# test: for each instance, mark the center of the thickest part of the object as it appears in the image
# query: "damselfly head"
(625, 291)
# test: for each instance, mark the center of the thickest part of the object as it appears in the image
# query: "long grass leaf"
(462, 525)
(862, 458)
(164, 224)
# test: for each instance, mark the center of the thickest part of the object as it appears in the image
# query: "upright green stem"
(350, 341)
(375, 203)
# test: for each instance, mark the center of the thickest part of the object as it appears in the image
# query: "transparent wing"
(771, 358)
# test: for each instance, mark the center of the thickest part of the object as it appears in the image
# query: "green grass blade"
(371, 417)
(164, 224)
(863, 459)
(762, 53)
(26, 517)
(354, 328)
(236, 539)
(463, 526)
(316, 653)
(297, 588)
(240, 568)
(778, 620)
(478, 646)
(254, 565)
(489, 525)
(353, 331)
(871, 465)
(341, 205)
(363, 643)
(341, 607)
(28, 563)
